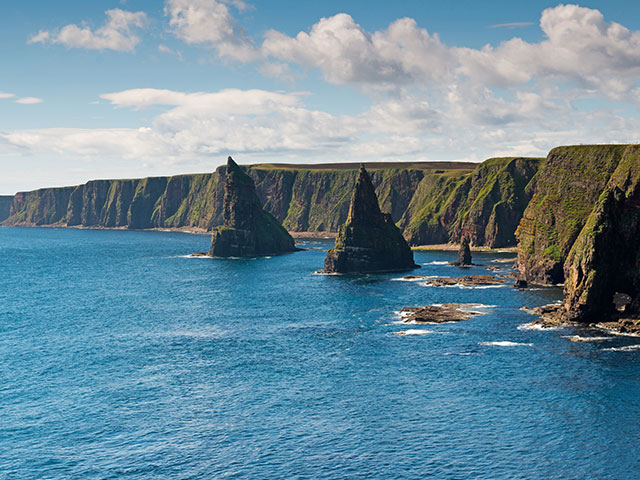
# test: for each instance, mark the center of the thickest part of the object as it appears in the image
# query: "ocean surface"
(121, 357)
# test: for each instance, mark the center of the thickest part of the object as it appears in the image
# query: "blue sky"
(112, 89)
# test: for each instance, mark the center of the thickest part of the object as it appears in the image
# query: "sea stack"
(248, 230)
(369, 241)
(464, 255)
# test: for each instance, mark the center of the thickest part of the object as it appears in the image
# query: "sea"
(122, 357)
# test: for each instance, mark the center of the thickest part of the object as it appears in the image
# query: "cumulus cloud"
(210, 23)
(579, 47)
(345, 53)
(116, 34)
(29, 100)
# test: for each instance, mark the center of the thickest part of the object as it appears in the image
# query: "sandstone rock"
(369, 241)
(247, 230)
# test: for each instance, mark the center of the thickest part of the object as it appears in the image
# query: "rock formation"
(369, 241)
(583, 226)
(247, 230)
(464, 255)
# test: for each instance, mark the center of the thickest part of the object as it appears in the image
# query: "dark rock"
(448, 312)
(520, 283)
(466, 281)
(247, 230)
(369, 241)
(464, 255)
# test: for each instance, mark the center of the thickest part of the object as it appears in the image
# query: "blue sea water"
(120, 357)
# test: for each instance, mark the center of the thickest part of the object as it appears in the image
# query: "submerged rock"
(369, 241)
(464, 255)
(247, 230)
(466, 281)
(445, 313)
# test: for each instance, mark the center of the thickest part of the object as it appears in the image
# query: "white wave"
(536, 326)
(418, 279)
(414, 332)
(578, 338)
(506, 343)
(627, 348)
(615, 332)
(193, 256)
(437, 262)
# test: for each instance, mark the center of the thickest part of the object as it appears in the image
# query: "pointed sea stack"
(464, 255)
(369, 242)
(248, 230)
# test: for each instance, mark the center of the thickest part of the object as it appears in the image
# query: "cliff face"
(5, 206)
(247, 230)
(424, 197)
(566, 188)
(605, 258)
(369, 241)
(484, 207)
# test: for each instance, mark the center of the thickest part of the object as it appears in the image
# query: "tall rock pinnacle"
(464, 254)
(369, 241)
(248, 230)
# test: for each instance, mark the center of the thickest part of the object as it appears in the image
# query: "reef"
(465, 281)
(431, 314)
(247, 230)
(369, 241)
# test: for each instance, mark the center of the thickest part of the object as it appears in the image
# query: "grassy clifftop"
(433, 201)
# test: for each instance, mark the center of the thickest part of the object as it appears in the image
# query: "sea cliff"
(432, 202)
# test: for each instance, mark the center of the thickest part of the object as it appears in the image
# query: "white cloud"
(580, 48)
(116, 34)
(6, 95)
(346, 53)
(29, 100)
(209, 23)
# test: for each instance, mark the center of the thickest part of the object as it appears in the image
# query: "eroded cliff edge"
(433, 202)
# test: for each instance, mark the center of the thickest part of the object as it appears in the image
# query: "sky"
(136, 88)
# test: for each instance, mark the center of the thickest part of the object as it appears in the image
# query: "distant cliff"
(432, 201)
(5, 206)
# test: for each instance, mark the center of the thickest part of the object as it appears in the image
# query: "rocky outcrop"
(247, 230)
(464, 255)
(466, 281)
(369, 241)
(424, 196)
(433, 314)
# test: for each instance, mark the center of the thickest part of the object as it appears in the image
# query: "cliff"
(485, 206)
(565, 190)
(5, 206)
(247, 229)
(369, 241)
(605, 258)
(433, 202)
